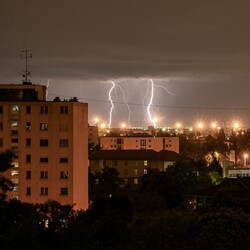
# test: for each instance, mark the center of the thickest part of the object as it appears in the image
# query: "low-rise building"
(132, 164)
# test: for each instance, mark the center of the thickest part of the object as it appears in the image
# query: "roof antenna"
(26, 54)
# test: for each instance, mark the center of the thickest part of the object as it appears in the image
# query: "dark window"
(44, 160)
(44, 191)
(14, 140)
(28, 109)
(28, 175)
(126, 163)
(28, 142)
(115, 163)
(1, 109)
(64, 109)
(1, 126)
(44, 143)
(63, 127)
(14, 132)
(104, 163)
(1, 142)
(44, 109)
(64, 160)
(64, 175)
(44, 126)
(64, 191)
(64, 143)
(44, 174)
(28, 158)
(28, 191)
(28, 125)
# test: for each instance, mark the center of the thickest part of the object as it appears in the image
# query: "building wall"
(140, 143)
(70, 126)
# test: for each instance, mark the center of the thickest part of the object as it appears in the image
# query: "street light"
(245, 159)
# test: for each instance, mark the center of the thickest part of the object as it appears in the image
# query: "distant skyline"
(197, 52)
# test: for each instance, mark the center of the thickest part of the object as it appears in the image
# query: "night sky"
(197, 52)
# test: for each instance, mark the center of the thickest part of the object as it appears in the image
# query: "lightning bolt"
(112, 104)
(160, 86)
(47, 87)
(124, 99)
(147, 93)
(150, 103)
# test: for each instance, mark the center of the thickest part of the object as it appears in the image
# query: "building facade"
(132, 164)
(50, 142)
(140, 143)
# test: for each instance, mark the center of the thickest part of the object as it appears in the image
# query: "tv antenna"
(26, 54)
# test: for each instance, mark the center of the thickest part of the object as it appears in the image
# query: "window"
(28, 126)
(28, 109)
(44, 109)
(15, 181)
(64, 109)
(14, 108)
(44, 160)
(64, 191)
(14, 116)
(14, 124)
(1, 126)
(44, 191)
(14, 173)
(145, 171)
(135, 181)
(64, 160)
(15, 189)
(14, 132)
(64, 143)
(64, 175)
(96, 163)
(63, 126)
(104, 163)
(28, 191)
(28, 175)
(115, 163)
(135, 171)
(125, 171)
(28, 158)
(126, 163)
(44, 126)
(44, 174)
(1, 142)
(1, 109)
(14, 149)
(28, 142)
(14, 140)
(145, 163)
(44, 143)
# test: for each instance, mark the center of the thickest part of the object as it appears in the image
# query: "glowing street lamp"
(178, 125)
(96, 120)
(123, 125)
(200, 125)
(155, 119)
(236, 125)
(103, 125)
(245, 159)
(213, 125)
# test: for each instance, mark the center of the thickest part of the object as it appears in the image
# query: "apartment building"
(140, 143)
(50, 142)
(132, 164)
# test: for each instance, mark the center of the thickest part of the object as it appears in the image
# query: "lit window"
(15, 189)
(14, 108)
(14, 173)
(145, 171)
(15, 181)
(44, 126)
(135, 181)
(145, 163)
(64, 191)
(14, 124)
(135, 171)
